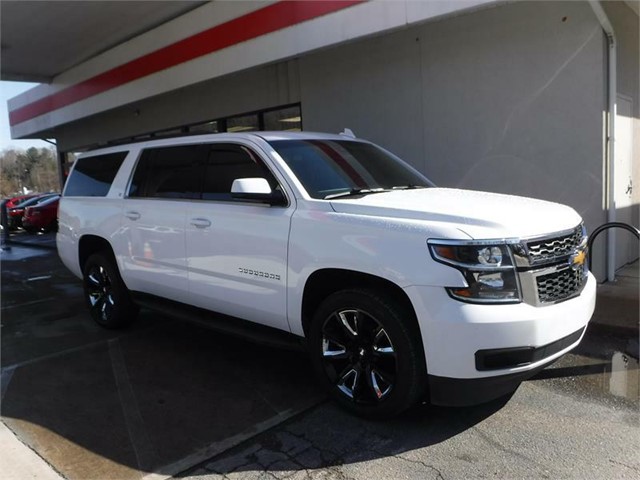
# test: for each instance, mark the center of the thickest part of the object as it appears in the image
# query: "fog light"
(490, 280)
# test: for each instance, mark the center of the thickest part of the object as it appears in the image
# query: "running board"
(238, 327)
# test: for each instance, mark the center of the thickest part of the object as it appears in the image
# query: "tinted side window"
(93, 176)
(169, 172)
(225, 163)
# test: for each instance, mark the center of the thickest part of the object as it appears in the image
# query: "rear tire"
(367, 352)
(106, 295)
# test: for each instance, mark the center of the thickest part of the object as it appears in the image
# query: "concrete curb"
(19, 462)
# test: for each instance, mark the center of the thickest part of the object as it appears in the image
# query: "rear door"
(237, 250)
(165, 181)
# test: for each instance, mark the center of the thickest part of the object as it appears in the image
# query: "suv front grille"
(560, 285)
(553, 268)
(549, 250)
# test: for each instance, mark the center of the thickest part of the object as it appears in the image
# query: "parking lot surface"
(168, 398)
(156, 397)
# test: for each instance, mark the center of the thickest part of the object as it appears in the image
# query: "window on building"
(206, 127)
(243, 123)
(288, 118)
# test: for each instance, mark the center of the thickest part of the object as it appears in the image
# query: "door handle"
(132, 215)
(200, 222)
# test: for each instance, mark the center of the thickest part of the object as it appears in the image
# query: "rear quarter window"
(93, 176)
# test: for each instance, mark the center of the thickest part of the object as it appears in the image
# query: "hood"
(480, 215)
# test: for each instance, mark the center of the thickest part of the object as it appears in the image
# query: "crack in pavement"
(492, 441)
(420, 462)
(624, 465)
(289, 449)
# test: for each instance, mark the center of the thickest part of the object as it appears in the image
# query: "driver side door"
(237, 250)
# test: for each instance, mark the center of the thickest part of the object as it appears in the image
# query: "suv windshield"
(341, 168)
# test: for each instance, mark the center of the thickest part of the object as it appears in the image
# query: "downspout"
(610, 149)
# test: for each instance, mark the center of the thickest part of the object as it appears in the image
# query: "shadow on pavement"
(159, 396)
(162, 395)
(148, 400)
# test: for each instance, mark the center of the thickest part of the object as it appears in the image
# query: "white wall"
(509, 100)
(627, 29)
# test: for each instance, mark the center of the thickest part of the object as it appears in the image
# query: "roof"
(43, 39)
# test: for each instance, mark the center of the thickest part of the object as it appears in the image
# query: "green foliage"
(35, 169)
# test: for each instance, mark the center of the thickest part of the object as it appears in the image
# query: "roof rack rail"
(147, 137)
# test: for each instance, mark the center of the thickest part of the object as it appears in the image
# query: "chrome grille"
(560, 285)
(551, 249)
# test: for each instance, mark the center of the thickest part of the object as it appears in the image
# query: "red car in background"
(14, 201)
(15, 214)
(42, 217)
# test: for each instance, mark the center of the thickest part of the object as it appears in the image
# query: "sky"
(9, 90)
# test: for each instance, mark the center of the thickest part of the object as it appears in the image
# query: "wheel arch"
(322, 283)
(90, 244)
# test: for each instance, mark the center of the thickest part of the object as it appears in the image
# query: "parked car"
(42, 217)
(16, 213)
(14, 201)
(401, 290)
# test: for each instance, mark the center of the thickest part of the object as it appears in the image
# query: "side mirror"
(256, 190)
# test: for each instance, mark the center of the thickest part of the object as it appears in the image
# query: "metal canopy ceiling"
(41, 39)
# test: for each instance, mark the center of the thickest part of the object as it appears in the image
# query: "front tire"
(367, 351)
(106, 294)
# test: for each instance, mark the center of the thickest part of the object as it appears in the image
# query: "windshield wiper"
(354, 192)
(407, 187)
(365, 191)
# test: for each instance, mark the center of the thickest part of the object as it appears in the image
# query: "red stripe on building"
(252, 25)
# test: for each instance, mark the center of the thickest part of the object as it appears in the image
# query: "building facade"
(510, 97)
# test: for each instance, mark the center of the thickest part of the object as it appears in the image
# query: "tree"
(35, 170)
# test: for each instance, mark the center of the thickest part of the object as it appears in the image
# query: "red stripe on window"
(260, 22)
(342, 162)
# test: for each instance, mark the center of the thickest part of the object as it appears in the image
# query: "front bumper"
(458, 339)
(462, 392)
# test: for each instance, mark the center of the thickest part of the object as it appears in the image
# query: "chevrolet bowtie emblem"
(578, 259)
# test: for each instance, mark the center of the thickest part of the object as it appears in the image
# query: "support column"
(62, 164)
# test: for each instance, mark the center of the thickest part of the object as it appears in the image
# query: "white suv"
(401, 290)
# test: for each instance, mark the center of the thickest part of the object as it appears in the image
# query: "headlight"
(487, 268)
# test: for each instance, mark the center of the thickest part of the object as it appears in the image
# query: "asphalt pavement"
(166, 398)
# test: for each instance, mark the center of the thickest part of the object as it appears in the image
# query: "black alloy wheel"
(100, 293)
(106, 295)
(367, 351)
(358, 355)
